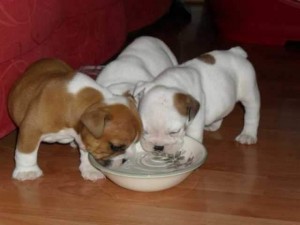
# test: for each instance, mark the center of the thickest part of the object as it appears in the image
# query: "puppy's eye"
(145, 132)
(117, 148)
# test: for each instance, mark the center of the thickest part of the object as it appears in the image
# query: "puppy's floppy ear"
(186, 105)
(94, 119)
(141, 88)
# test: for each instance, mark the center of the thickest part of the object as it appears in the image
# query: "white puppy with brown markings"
(142, 60)
(197, 95)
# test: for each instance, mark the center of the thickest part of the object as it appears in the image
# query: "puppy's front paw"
(88, 172)
(246, 139)
(92, 175)
(23, 174)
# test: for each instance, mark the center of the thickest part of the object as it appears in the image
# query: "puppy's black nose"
(158, 148)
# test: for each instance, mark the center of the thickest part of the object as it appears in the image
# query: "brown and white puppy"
(53, 103)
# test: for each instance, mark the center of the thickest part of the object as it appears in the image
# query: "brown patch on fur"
(186, 105)
(207, 58)
(87, 100)
(122, 127)
(94, 120)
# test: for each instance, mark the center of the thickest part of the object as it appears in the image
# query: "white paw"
(214, 126)
(88, 172)
(211, 128)
(92, 174)
(73, 144)
(246, 139)
(27, 174)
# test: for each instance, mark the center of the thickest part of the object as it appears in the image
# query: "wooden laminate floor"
(238, 184)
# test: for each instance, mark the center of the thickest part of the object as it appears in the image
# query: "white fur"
(217, 87)
(64, 136)
(28, 169)
(142, 60)
(81, 81)
(26, 166)
(88, 172)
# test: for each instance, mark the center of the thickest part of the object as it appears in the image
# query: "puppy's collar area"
(81, 81)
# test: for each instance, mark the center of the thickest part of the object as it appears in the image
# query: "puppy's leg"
(195, 132)
(251, 102)
(88, 172)
(73, 144)
(26, 155)
(214, 126)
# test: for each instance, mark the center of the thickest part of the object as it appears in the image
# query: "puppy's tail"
(239, 51)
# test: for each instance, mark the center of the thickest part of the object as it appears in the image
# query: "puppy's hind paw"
(214, 126)
(23, 175)
(246, 139)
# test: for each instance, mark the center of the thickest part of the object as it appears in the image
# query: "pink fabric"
(79, 32)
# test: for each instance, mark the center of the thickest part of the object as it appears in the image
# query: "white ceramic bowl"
(147, 172)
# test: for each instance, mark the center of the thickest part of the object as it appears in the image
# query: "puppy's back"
(142, 60)
(32, 82)
(154, 54)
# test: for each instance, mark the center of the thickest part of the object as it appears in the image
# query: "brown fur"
(118, 118)
(39, 103)
(29, 106)
(186, 105)
(207, 58)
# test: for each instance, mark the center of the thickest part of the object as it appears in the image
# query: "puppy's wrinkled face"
(109, 130)
(165, 113)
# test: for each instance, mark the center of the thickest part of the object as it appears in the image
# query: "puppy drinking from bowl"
(53, 103)
(142, 60)
(197, 95)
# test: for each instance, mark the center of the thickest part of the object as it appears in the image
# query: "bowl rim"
(145, 176)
